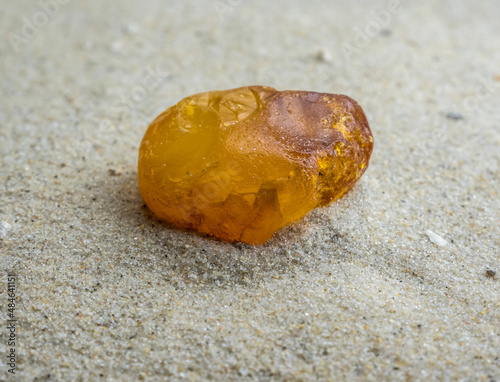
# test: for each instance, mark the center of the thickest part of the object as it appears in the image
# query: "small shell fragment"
(436, 239)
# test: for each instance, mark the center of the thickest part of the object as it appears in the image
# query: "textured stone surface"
(241, 163)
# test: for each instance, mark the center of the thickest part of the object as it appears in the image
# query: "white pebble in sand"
(4, 229)
(436, 239)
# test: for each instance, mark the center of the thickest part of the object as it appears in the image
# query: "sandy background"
(354, 291)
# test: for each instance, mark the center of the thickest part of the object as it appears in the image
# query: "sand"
(393, 282)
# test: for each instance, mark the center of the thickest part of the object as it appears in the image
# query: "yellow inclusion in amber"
(240, 164)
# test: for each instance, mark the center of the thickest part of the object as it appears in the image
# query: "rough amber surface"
(239, 164)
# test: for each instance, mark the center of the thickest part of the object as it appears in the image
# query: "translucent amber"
(239, 164)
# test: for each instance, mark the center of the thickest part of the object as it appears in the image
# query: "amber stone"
(240, 164)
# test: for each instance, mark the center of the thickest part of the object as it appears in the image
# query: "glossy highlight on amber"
(240, 164)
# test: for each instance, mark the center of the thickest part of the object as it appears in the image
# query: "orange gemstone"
(240, 164)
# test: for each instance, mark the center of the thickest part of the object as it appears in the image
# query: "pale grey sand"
(389, 283)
